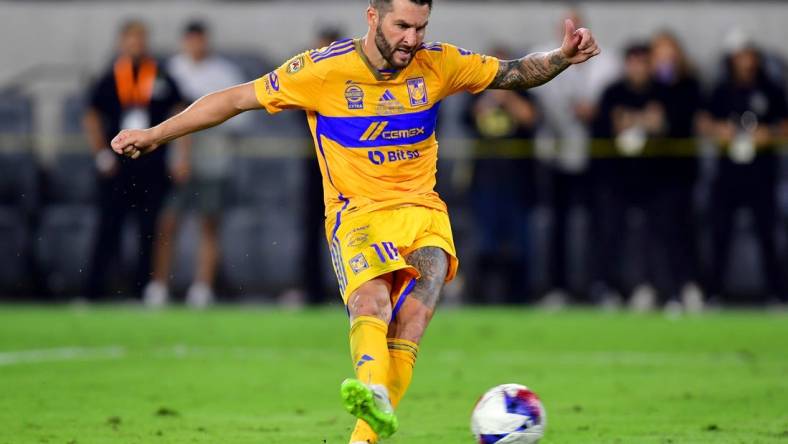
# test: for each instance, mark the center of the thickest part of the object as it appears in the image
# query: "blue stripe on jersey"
(337, 52)
(376, 131)
(330, 50)
(319, 137)
(330, 47)
(432, 46)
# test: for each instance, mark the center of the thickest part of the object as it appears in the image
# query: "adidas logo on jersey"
(388, 105)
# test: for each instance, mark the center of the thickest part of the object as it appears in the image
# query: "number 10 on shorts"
(386, 251)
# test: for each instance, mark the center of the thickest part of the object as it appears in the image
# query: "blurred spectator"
(746, 110)
(630, 116)
(502, 189)
(674, 169)
(134, 92)
(314, 217)
(773, 65)
(200, 172)
(569, 104)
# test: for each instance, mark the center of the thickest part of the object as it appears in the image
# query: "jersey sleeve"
(467, 71)
(294, 85)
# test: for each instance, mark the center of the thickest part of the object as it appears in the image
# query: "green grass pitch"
(261, 375)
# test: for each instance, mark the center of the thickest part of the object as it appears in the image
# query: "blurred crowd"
(626, 181)
(661, 164)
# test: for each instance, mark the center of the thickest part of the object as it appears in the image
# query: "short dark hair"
(195, 27)
(639, 49)
(385, 5)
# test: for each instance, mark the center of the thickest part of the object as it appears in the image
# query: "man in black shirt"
(747, 109)
(134, 92)
(629, 119)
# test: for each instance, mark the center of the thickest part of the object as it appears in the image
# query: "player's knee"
(371, 299)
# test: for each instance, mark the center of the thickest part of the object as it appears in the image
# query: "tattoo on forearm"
(433, 265)
(530, 71)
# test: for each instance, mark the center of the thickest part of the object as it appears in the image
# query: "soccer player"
(372, 104)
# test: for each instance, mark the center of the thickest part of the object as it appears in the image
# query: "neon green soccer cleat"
(371, 404)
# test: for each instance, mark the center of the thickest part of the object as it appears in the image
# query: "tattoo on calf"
(433, 265)
(530, 71)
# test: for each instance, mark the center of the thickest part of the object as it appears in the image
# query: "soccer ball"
(508, 414)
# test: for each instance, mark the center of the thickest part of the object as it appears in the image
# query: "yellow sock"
(363, 433)
(403, 355)
(369, 349)
(371, 359)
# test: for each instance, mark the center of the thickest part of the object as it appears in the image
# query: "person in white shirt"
(564, 140)
(200, 173)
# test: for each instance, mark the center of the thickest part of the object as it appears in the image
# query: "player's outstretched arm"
(539, 68)
(207, 111)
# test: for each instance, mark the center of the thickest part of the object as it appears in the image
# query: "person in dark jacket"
(134, 92)
(747, 110)
(630, 119)
(670, 211)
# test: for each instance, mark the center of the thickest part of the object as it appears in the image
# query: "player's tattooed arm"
(535, 69)
(530, 71)
(433, 265)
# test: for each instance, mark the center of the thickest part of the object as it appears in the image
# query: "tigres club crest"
(358, 263)
(417, 91)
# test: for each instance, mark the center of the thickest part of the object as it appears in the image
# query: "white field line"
(60, 354)
(568, 358)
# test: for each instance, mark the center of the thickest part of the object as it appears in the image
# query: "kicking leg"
(366, 397)
(407, 327)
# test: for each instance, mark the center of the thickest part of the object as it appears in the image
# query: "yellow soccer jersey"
(374, 132)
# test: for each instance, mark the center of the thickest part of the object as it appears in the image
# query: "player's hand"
(134, 143)
(579, 44)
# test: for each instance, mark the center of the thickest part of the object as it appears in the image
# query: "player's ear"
(372, 17)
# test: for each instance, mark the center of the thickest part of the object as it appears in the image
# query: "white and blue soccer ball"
(508, 414)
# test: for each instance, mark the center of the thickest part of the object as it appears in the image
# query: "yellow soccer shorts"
(370, 245)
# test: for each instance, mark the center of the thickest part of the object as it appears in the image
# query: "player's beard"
(387, 51)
